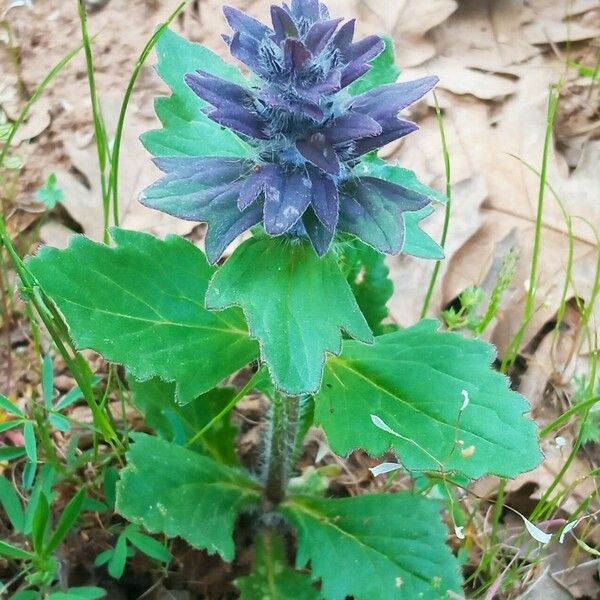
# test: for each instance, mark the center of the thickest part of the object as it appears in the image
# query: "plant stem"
(281, 445)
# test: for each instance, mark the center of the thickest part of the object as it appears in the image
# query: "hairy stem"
(280, 446)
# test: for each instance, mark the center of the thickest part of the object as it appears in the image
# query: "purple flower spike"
(307, 132)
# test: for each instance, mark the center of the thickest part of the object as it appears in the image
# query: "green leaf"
(109, 485)
(66, 521)
(368, 278)
(116, 564)
(30, 442)
(383, 70)
(47, 380)
(186, 129)
(271, 579)
(50, 194)
(178, 424)
(41, 519)
(9, 500)
(296, 305)
(141, 304)
(436, 390)
(59, 422)
(43, 487)
(166, 488)
(10, 407)
(11, 551)
(374, 547)
(149, 546)
(29, 473)
(11, 452)
(8, 425)
(104, 557)
(74, 395)
(417, 242)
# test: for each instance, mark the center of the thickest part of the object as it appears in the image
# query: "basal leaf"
(296, 305)
(141, 304)
(175, 423)
(178, 492)
(383, 70)
(374, 547)
(271, 578)
(368, 278)
(437, 392)
(186, 129)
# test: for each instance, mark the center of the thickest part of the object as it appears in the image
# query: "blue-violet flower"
(308, 132)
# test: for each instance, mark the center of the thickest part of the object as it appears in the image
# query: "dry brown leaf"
(460, 79)
(486, 34)
(407, 21)
(546, 31)
(83, 199)
(38, 120)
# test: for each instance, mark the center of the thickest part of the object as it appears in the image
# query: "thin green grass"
(116, 151)
(100, 135)
(515, 345)
(447, 211)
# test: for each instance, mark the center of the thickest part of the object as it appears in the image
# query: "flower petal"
(306, 9)
(204, 190)
(372, 210)
(320, 33)
(320, 237)
(325, 202)
(240, 22)
(367, 49)
(386, 101)
(351, 126)
(286, 199)
(216, 91)
(255, 184)
(399, 130)
(296, 55)
(283, 24)
(320, 152)
(248, 50)
(343, 38)
(359, 56)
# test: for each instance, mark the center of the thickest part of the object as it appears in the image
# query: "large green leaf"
(296, 305)
(175, 491)
(437, 392)
(383, 70)
(179, 424)
(367, 275)
(141, 304)
(271, 579)
(374, 547)
(186, 129)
